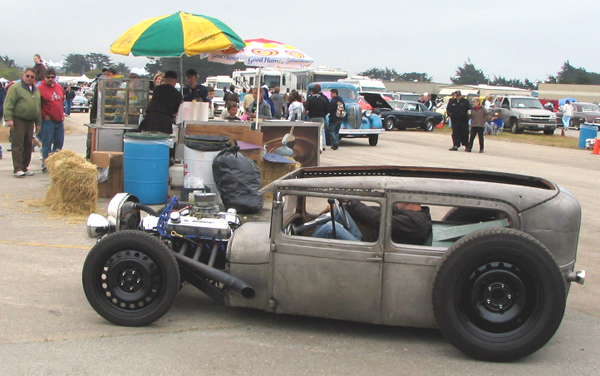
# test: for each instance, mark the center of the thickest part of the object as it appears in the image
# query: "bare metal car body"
(493, 275)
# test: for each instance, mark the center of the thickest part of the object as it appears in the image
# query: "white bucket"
(199, 164)
(176, 175)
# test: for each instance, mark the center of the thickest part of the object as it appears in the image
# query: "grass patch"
(536, 138)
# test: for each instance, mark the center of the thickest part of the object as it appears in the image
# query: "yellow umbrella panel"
(175, 35)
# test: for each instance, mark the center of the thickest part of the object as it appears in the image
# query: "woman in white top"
(295, 109)
(567, 113)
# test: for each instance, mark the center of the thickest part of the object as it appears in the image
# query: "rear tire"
(428, 127)
(498, 295)
(130, 278)
(389, 123)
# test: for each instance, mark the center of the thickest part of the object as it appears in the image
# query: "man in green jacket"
(22, 110)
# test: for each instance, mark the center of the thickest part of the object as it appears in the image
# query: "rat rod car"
(493, 274)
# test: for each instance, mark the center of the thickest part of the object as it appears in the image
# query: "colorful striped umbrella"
(264, 53)
(175, 35)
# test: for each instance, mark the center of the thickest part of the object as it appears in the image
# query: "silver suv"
(521, 113)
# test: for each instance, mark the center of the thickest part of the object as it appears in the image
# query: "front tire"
(498, 295)
(373, 139)
(514, 126)
(130, 278)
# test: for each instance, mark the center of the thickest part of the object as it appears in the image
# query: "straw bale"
(270, 172)
(73, 186)
(4, 131)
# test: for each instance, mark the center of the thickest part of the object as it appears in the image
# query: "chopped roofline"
(421, 172)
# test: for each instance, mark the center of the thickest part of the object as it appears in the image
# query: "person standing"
(489, 102)
(458, 110)
(567, 113)
(296, 108)
(248, 99)
(163, 107)
(337, 111)
(193, 91)
(40, 68)
(69, 96)
(317, 106)
(479, 117)
(22, 110)
(277, 100)
(2, 96)
(53, 115)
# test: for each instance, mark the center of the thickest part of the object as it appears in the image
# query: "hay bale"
(270, 171)
(4, 132)
(73, 186)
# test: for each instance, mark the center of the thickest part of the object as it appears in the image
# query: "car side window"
(440, 226)
(311, 217)
(505, 104)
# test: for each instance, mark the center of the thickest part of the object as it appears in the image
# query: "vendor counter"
(303, 140)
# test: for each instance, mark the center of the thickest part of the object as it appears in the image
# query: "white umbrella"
(263, 53)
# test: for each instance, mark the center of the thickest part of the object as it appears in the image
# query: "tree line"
(92, 63)
(468, 74)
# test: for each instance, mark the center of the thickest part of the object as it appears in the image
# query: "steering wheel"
(343, 214)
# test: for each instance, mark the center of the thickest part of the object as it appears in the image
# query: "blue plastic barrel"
(146, 167)
(586, 131)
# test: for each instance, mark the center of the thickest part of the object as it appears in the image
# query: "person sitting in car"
(411, 223)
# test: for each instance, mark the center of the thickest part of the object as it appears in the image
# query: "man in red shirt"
(53, 115)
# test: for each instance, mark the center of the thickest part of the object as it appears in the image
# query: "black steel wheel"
(498, 295)
(373, 139)
(428, 126)
(389, 123)
(130, 278)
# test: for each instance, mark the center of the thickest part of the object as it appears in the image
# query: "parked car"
(521, 113)
(583, 112)
(403, 114)
(357, 123)
(493, 274)
(80, 103)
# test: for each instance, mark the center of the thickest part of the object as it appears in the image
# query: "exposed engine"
(197, 233)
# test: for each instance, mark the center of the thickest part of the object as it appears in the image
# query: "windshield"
(526, 103)
(590, 108)
(271, 81)
(344, 93)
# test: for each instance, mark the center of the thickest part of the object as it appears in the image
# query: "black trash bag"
(238, 181)
(207, 142)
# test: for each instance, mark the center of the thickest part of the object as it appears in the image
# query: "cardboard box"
(112, 160)
(236, 132)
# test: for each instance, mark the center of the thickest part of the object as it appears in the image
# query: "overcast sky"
(509, 38)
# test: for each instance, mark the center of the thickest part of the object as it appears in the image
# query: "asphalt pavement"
(48, 327)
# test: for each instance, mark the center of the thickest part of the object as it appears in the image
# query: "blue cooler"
(146, 166)
(586, 131)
